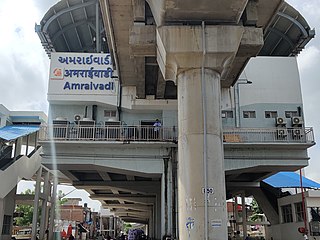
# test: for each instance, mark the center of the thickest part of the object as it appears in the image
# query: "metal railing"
(170, 134)
(268, 135)
(109, 133)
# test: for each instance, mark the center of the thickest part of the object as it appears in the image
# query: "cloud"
(23, 63)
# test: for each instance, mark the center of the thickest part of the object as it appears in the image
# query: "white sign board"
(81, 74)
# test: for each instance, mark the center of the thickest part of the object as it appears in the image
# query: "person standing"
(156, 128)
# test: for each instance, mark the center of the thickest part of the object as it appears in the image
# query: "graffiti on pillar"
(216, 223)
(191, 204)
(189, 225)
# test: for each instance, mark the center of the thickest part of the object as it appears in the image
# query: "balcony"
(269, 136)
(170, 134)
(108, 133)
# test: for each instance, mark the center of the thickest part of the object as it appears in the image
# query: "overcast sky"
(24, 66)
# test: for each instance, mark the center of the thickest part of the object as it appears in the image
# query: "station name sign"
(81, 73)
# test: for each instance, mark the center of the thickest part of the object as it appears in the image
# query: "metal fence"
(170, 134)
(268, 135)
(108, 133)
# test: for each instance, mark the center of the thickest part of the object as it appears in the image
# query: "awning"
(16, 131)
(290, 180)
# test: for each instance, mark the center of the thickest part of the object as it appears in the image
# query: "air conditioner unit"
(282, 133)
(297, 133)
(281, 121)
(77, 117)
(296, 121)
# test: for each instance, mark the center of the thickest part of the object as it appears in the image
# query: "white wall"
(274, 80)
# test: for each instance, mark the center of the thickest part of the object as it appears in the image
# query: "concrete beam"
(250, 17)
(177, 51)
(147, 200)
(138, 10)
(141, 80)
(243, 184)
(141, 186)
(271, 214)
(129, 206)
(250, 45)
(131, 213)
(161, 86)
(142, 40)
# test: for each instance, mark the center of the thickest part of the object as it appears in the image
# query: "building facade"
(227, 122)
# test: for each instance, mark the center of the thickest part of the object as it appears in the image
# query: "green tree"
(257, 212)
(127, 226)
(25, 210)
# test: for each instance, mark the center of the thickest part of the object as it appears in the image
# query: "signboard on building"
(82, 74)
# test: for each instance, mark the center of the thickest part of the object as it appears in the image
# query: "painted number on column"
(208, 191)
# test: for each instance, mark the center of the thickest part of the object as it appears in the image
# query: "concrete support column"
(166, 198)
(53, 208)
(236, 213)
(36, 204)
(202, 212)
(158, 220)
(44, 207)
(17, 148)
(244, 215)
(111, 226)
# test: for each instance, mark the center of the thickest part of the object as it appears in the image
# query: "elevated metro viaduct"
(180, 62)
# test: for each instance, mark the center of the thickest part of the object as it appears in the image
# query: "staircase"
(13, 170)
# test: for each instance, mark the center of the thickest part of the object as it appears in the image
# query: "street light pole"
(237, 100)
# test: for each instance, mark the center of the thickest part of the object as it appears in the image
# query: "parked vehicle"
(23, 234)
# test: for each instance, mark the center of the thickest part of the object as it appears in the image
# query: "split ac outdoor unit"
(296, 121)
(282, 133)
(77, 117)
(280, 121)
(297, 133)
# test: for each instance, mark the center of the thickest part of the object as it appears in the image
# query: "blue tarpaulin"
(15, 131)
(290, 180)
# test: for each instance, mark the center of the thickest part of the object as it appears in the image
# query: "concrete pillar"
(17, 148)
(159, 220)
(53, 207)
(44, 207)
(111, 226)
(196, 57)
(202, 213)
(244, 215)
(166, 198)
(236, 213)
(7, 206)
(36, 204)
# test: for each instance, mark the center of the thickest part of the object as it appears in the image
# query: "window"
(290, 114)
(227, 114)
(286, 213)
(249, 114)
(270, 114)
(109, 113)
(6, 225)
(299, 211)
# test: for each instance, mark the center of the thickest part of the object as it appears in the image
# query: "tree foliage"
(257, 211)
(26, 211)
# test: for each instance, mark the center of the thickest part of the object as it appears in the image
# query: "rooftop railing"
(170, 134)
(109, 133)
(268, 135)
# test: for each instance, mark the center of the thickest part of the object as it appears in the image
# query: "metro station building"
(220, 76)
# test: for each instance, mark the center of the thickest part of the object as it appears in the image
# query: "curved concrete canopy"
(70, 26)
(287, 34)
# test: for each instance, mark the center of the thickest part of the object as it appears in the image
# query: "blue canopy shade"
(290, 180)
(16, 131)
